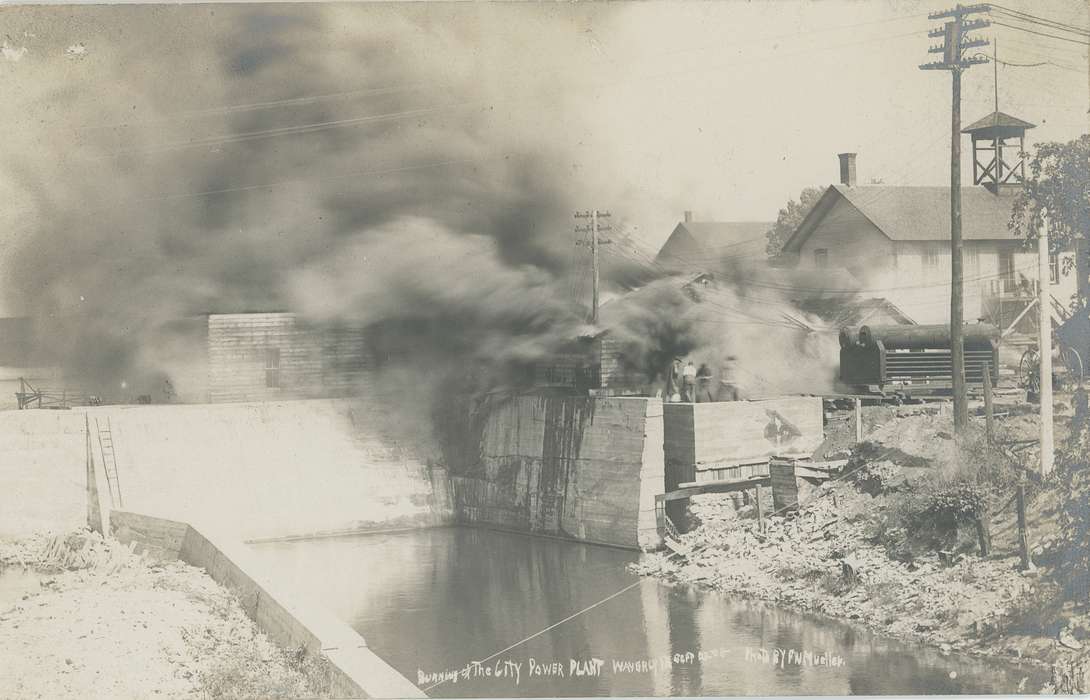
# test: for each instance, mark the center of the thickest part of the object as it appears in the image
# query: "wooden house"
(896, 239)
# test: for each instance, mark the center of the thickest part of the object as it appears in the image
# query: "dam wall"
(254, 470)
(584, 468)
(43, 469)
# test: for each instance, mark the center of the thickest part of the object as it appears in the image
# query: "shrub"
(931, 515)
(1073, 469)
(870, 473)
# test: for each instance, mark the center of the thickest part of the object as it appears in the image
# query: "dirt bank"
(83, 617)
(844, 555)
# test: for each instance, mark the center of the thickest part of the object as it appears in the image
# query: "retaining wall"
(578, 467)
(724, 440)
(355, 671)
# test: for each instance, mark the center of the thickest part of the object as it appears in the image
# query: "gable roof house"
(896, 241)
(705, 245)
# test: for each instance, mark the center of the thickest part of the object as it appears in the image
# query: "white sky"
(725, 108)
(760, 98)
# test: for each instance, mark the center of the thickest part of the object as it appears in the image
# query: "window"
(1053, 268)
(1006, 270)
(272, 368)
(931, 257)
(972, 262)
(821, 257)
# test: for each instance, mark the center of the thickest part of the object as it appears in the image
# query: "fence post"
(989, 413)
(858, 420)
(984, 535)
(1023, 536)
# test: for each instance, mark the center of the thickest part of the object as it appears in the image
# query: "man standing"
(728, 383)
(673, 382)
(704, 384)
(688, 376)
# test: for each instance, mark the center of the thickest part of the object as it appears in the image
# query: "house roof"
(719, 238)
(839, 312)
(997, 119)
(715, 234)
(917, 213)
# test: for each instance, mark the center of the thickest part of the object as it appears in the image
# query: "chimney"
(688, 217)
(847, 169)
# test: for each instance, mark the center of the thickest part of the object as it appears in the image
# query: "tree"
(1059, 182)
(789, 219)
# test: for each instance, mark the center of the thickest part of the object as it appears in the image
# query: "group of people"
(686, 383)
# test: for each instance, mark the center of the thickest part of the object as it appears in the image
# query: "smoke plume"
(384, 165)
(398, 178)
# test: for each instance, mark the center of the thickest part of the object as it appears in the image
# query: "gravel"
(104, 622)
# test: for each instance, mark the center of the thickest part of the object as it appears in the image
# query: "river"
(430, 602)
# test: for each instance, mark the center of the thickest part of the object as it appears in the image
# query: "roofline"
(806, 226)
(679, 227)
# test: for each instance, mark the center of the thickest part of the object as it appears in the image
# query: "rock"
(1067, 640)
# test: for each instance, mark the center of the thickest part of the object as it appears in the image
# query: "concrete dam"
(581, 468)
(577, 467)
(398, 610)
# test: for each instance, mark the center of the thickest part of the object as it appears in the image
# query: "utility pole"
(594, 228)
(1044, 342)
(955, 43)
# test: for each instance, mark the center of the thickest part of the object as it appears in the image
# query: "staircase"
(109, 460)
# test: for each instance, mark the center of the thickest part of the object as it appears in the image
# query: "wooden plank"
(696, 489)
(675, 547)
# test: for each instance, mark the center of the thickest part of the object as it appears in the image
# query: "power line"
(1049, 50)
(1032, 31)
(281, 183)
(1023, 65)
(321, 126)
(253, 106)
(287, 130)
(1043, 21)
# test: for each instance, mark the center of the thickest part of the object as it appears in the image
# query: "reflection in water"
(435, 600)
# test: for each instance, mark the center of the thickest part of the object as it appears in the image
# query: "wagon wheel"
(1029, 375)
(1073, 362)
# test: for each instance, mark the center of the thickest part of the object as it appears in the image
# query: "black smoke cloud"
(426, 194)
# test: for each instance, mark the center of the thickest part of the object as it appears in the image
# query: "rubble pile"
(827, 559)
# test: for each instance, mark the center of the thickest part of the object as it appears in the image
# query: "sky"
(261, 136)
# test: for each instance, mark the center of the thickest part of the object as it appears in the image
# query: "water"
(431, 601)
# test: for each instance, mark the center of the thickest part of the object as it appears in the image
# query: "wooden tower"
(998, 143)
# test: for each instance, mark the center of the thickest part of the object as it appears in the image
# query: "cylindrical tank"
(925, 337)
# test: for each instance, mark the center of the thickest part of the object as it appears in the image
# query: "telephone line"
(1032, 31)
(1043, 21)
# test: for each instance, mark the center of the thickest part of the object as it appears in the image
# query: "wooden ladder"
(109, 460)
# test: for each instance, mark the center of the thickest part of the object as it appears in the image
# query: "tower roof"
(998, 121)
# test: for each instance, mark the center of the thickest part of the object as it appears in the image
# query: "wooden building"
(277, 355)
(706, 245)
(896, 240)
